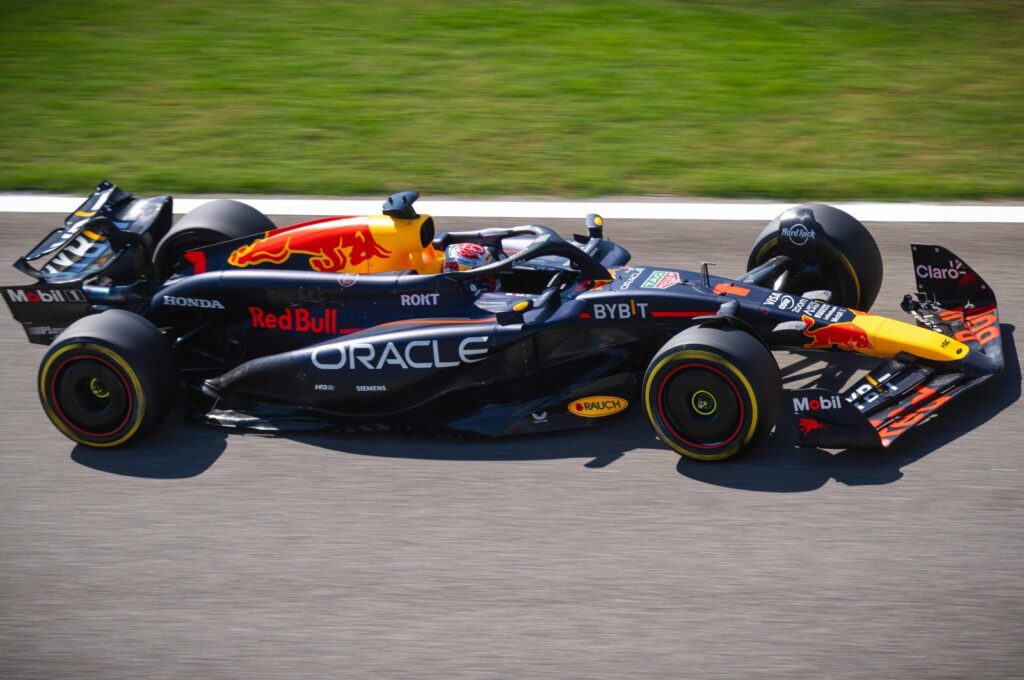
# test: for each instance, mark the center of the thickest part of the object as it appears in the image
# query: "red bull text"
(298, 319)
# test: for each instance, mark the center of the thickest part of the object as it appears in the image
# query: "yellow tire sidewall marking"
(712, 359)
(140, 411)
(856, 280)
(763, 250)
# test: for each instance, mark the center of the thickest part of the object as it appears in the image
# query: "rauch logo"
(597, 407)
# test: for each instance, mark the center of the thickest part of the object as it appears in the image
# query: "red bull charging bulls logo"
(809, 425)
(846, 335)
(331, 248)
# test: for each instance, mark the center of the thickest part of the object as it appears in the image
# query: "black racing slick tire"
(213, 222)
(710, 392)
(837, 253)
(108, 379)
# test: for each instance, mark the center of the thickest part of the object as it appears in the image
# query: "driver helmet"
(460, 257)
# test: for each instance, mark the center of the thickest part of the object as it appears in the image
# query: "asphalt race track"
(200, 553)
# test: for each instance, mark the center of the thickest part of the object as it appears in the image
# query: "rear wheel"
(213, 222)
(710, 392)
(830, 251)
(107, 379)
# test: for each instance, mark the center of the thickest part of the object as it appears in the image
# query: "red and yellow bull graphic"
(353, 244)
(881, 337)
(846, 335)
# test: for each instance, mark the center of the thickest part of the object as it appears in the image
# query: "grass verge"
(890, 99)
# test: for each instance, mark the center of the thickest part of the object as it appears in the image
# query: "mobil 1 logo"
(41, 295)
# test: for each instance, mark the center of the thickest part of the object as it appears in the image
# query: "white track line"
(639, 210)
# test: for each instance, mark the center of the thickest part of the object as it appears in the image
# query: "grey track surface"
(598, 555)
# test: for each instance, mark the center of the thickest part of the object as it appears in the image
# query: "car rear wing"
(110, 222)
(904, 392)
(111, 235)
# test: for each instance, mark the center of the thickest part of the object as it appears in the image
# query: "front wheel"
(107, 379)
(710, 392)
(829, 250)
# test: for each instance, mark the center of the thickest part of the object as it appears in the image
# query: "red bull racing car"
(383, 319)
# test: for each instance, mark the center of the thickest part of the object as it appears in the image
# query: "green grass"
(795, 99)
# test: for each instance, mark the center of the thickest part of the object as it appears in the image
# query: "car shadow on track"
(179, 450)
(777, 466)
(176, 450)
(602, 444)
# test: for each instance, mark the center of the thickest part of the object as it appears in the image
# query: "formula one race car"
(364, 320)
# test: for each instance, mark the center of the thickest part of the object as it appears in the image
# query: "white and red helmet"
(465, 256)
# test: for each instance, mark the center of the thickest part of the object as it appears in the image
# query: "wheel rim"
(701, 406)
(91, 395)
